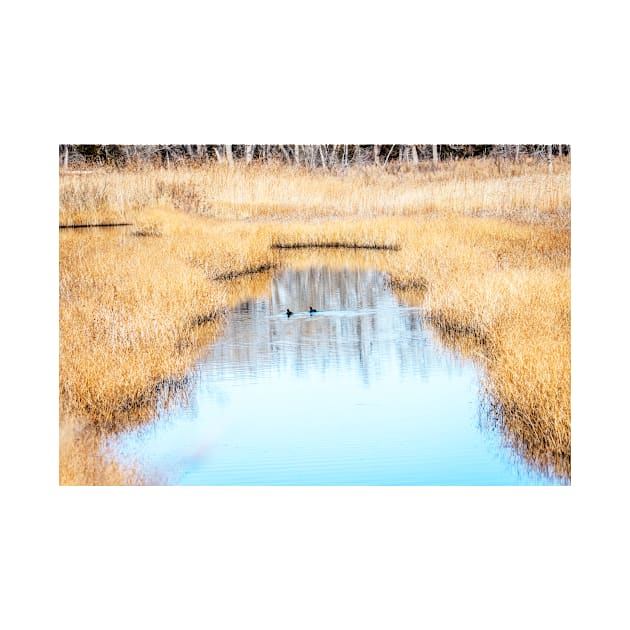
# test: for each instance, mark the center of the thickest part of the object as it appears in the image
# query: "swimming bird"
(289, 313)
(312, 310)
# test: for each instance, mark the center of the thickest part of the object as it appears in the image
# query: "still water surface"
(359, 393)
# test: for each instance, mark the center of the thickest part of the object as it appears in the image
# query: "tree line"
(331, 156)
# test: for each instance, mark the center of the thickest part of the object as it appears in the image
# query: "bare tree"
(333, 156)
(390, 152)
(414, 154)
(228, 154)
(404, 153)
(285, 153)
(330, 156)
(165, 149)
(322, 156)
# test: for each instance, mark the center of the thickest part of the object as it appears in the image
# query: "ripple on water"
(359, 393)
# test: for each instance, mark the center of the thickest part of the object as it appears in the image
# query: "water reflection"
(359, 393)
(359, 328)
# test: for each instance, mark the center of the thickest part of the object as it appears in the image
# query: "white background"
(298, 558)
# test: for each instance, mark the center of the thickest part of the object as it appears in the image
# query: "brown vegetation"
(484, 246)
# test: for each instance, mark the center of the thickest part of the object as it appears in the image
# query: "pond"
(360, 392)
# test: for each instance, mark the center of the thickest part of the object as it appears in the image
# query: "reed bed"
(523, 190)
(483, 245)
(83, 460)
(505, 288)
(377, 233)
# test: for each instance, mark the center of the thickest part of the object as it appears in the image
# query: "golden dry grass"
(523, 190)
(84, 462)
(484, 245)
(506, 287)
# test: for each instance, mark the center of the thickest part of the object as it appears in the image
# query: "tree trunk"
(435, 154)
(249, 153)
(321, 155)
(390, 152)
(333, 156)
(356, 156)
(377, 150)
(414, 154)
(65, 156)
(549, 155)
(285, 153)
(228, 154)
(296, 152)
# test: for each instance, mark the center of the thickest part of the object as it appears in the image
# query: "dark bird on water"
(312, 310)
(289, 313)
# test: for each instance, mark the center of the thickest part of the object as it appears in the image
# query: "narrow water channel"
(359, 393)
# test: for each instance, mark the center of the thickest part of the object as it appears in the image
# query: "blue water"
(359, 393)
